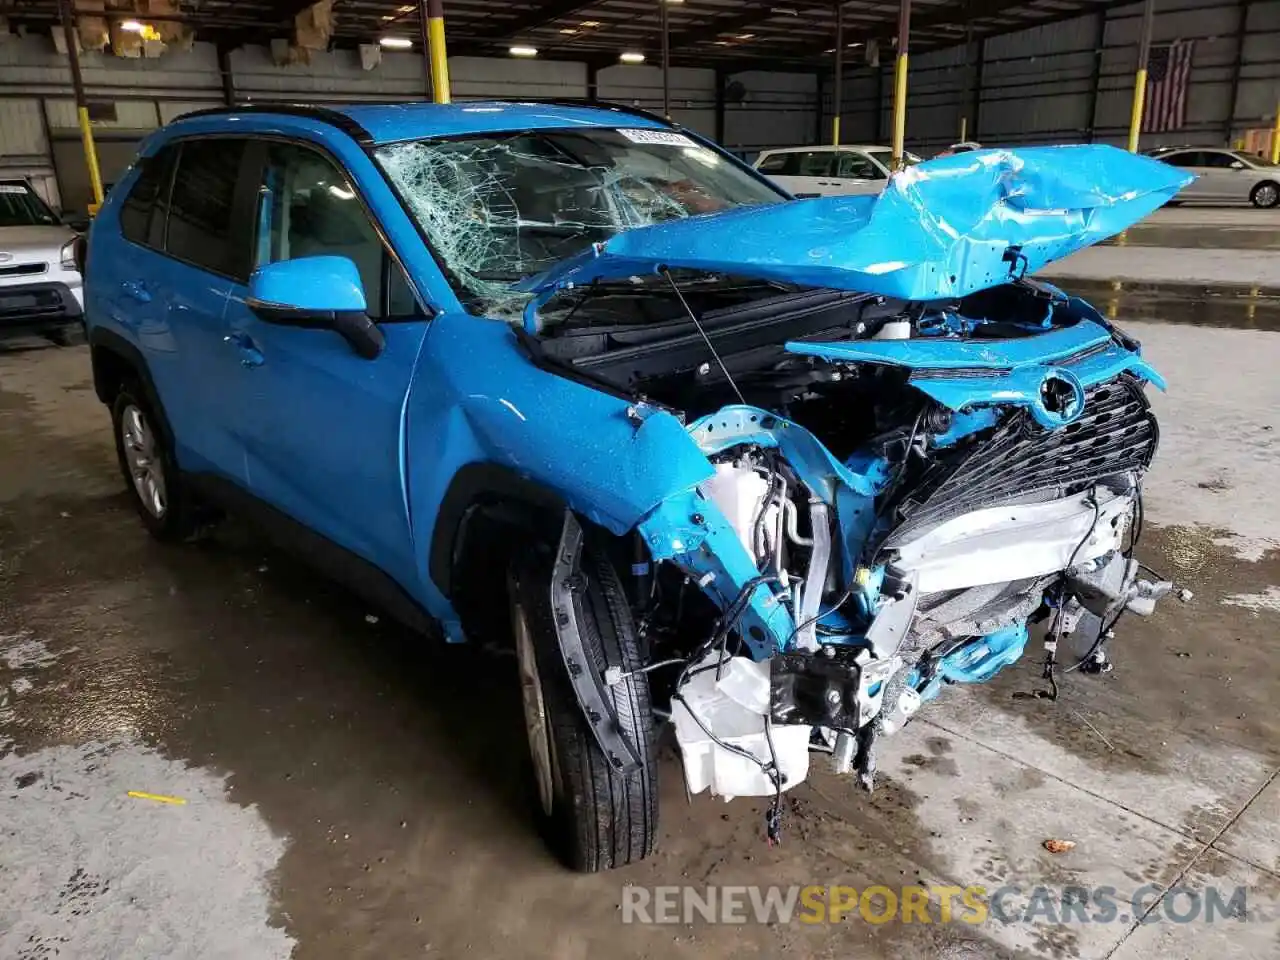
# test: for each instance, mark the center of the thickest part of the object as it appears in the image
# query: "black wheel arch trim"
(478, 486)
(104, 342)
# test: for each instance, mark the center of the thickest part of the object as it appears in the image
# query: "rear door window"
(144, 211)
(816, 163)
(202, 227)
(857, 166)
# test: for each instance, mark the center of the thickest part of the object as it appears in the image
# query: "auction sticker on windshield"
(657, 136)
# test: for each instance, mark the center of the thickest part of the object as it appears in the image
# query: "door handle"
(250, 355)
(137, 290)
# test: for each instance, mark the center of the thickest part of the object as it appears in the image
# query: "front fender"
(477, 397)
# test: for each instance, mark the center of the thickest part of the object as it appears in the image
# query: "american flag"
(1168, 70)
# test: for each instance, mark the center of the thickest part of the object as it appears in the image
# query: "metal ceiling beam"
(545, 14)
(734, 24)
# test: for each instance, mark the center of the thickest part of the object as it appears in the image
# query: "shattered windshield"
(503, 206)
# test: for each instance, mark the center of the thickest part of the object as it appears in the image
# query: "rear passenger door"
(856, 173)
(209, 207)
(169, 286)
(320, 427)
(802, 172)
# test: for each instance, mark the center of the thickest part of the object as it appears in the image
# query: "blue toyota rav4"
(776, 471)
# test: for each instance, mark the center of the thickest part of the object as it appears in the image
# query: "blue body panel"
(364, 451)
(941, 229)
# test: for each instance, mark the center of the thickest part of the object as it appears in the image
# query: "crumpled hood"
(941, 229)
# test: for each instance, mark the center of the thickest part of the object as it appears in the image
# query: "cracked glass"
(497, 208)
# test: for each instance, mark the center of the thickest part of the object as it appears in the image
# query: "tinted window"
(1189, 158)
(1215, 159)
(308, 208)
(201, 209)
(857, 166)
(142, 216)
(818, 163)
(775, 163)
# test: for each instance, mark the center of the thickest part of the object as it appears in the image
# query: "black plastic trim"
(479, 484)
(588, 684)
(363, 578)
(103, 342)
(335, 118)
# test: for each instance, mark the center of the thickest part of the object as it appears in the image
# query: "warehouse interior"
(208, 751)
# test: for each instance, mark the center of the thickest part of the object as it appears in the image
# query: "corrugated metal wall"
(1038, 85)
(1067, 81)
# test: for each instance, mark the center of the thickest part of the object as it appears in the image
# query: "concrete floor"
(351, 792)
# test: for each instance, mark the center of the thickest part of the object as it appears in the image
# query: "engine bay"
(899, 492)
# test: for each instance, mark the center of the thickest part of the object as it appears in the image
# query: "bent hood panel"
(940, 229)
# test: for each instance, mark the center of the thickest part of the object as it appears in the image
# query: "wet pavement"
(353, 791)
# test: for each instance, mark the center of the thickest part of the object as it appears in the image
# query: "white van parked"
(828, 171)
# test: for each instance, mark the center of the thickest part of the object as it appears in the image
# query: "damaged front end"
(916, 451)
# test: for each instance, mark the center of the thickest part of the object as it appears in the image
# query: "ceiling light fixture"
(631, 57)
(523, 51)
(569, 31)
(745, 36)
(588, 24)
(132, 26)
(396, 43)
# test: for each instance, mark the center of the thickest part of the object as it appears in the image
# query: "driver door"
(320, 427)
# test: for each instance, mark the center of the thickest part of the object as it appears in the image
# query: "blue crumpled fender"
(477, 398)
(942, 229)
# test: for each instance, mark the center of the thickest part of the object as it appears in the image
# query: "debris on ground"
(1059, 846)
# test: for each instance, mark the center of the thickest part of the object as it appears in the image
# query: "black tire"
(1270, 190)
(180, 519)
(599, 818)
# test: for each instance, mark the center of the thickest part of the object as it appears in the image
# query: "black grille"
(1117, 434)
(24, 270)
(37, 301)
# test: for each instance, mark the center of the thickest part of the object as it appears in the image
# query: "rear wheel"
(593, 817)
(1265, 195)
(160, 496)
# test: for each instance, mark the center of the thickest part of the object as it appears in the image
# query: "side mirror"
(78, 224)
(318, 292)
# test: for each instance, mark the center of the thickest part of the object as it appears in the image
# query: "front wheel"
(1265, 195)
(593, 817)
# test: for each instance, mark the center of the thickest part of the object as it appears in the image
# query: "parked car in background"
(828, 171)
(40, 286)
(1224, 176)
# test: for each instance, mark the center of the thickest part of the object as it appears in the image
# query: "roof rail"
(334, 118)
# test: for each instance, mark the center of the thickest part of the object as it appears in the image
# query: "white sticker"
(664, 137)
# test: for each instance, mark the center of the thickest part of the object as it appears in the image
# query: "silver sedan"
(1224, 176)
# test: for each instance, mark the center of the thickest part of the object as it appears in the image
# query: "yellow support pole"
(1140, 78)
(1135, 115)
(899, 109)
(837, 92)
(1275, 137)
(964, 129)
(82, 109)
(900, 84)
(91, 159)
(432, 14)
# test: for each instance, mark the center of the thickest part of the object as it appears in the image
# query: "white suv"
(824, 171)
(40, 287)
